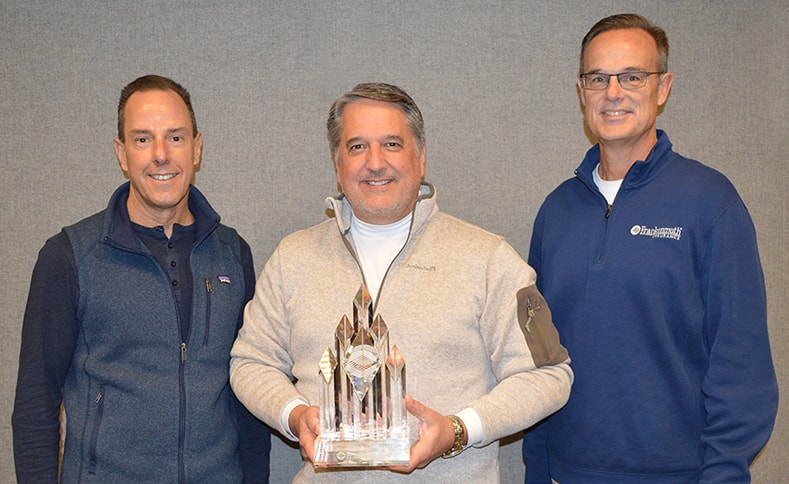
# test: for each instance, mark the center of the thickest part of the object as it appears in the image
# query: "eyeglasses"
(597, 81)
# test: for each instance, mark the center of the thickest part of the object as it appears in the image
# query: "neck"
(616, 159)
(370, 229)
(165, 218)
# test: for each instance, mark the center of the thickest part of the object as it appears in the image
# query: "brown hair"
(152, 82)
(629, 21)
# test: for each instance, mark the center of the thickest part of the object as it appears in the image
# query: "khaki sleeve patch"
(541, 335)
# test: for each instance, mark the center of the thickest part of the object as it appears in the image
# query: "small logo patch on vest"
(224, 279)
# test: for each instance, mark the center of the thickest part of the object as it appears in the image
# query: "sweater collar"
(426, 205)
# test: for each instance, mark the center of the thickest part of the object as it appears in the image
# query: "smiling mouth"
(163, 177)
(614, 113)
(378, 183)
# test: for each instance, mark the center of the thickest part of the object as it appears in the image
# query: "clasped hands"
(436, 433)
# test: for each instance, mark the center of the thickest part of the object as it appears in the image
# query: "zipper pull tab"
(183, 352)
(208, 284)
(530, 313)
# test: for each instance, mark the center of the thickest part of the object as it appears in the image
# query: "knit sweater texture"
(454, 302)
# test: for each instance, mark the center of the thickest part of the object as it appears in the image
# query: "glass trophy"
(363, 418)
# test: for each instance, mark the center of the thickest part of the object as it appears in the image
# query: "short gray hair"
(629, 21)
(376, 91)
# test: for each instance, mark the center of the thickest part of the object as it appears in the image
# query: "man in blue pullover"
(657, 292)
(130, 319)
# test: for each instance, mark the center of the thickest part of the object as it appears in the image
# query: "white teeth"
(378, 183)
(163, 177)
(614, 113)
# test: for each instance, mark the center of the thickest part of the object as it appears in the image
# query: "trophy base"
(362, 453)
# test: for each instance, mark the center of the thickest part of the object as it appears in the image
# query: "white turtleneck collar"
(377, 246)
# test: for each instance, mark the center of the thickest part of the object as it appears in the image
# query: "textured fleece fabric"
(662, 307)
(144, 402)
(450, 300)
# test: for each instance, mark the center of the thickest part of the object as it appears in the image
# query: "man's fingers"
(415, 407)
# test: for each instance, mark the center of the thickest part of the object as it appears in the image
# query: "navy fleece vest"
(142, 405)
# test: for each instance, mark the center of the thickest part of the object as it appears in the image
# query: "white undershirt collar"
(609, 189)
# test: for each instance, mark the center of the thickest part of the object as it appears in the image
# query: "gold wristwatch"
(457, 448)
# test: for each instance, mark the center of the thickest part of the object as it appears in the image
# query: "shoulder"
(316, 236)
(568, 195)
(699, 172)
(56, 250)
(461, 231)
(90, 223)
(228, 236)
(697, 182)
(85, 233)
(469, 244)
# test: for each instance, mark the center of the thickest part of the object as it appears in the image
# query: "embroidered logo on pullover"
(657, 233)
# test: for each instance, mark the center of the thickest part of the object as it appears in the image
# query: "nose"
(376, 158)
(159, 150)
(613, 90)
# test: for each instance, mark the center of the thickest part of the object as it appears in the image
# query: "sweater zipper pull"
(530, 313)
(607, 211)
(183, 352)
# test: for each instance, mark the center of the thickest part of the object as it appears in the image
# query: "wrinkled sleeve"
(49, 332)
(740, 388)
(261, 363)
(530, 364)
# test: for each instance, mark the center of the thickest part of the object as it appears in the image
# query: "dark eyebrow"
(626, 69)
(385, 139)
(169, 131)
(354, 141)
(394, 137)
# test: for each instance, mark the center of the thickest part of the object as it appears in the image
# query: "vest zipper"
(208, 290)
(94, 436)
(181, 412)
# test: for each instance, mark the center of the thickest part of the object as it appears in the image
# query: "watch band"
(457, 447)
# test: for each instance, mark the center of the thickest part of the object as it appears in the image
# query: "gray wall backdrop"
(495, 81)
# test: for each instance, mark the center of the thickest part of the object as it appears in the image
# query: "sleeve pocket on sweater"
(542, 338)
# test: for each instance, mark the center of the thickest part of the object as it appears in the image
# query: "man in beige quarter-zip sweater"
(483, 357)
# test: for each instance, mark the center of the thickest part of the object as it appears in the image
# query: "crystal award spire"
(362, 394)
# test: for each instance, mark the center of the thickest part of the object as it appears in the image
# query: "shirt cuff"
(473, 424)
(285, 416)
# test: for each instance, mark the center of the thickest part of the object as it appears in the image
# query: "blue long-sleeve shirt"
(661, 303)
